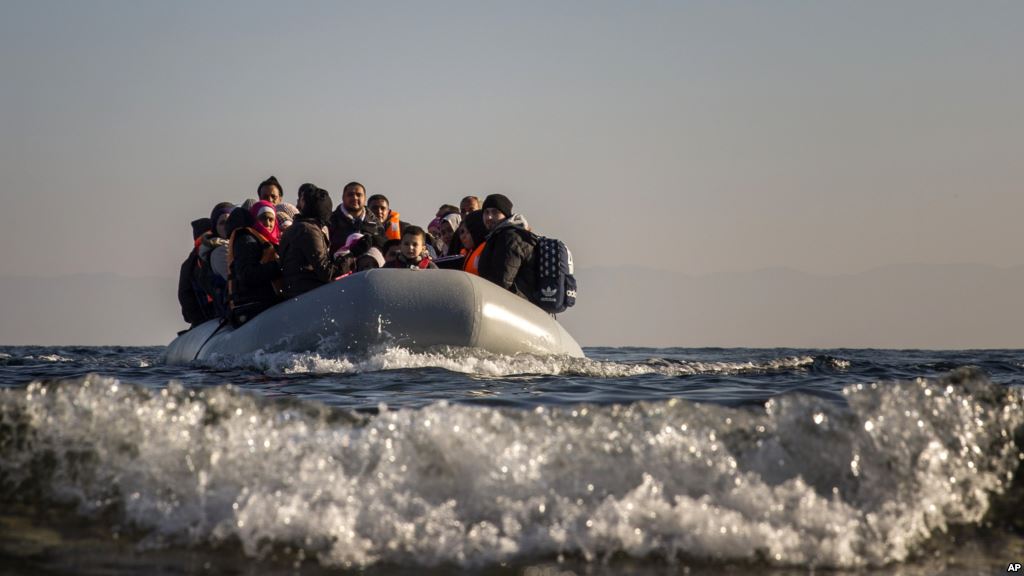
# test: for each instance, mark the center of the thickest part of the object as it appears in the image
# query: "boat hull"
(414, 309)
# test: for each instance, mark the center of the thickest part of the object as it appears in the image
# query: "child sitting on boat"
(413, 251)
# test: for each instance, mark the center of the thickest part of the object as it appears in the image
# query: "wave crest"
(481, 362)
(802, 483)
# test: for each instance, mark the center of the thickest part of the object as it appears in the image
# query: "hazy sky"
(830, 137)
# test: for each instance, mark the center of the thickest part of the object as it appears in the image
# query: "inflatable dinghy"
(414, 309)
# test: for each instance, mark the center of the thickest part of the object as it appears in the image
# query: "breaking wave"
(800, 482)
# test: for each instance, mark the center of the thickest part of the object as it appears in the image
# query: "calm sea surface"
(633, 460)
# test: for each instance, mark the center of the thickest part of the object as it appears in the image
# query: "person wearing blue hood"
(507, 256)
(305, 260)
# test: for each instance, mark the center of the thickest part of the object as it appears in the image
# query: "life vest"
(200, 270)
(199, 274)
(269, 255)
(473, 260)
(392, 227)
(400, 264)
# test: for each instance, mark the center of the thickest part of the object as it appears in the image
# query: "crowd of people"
(248, 258)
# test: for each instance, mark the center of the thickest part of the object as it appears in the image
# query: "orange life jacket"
(392, 227)
(269, 255)
(473, 260)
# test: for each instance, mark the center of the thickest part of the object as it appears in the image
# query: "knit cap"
(500, 203)
(287, 209)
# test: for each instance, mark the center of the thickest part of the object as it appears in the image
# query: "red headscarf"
(272, 235)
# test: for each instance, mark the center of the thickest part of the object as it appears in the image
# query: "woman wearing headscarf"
(449, 224)
(435, 247)
(254, 280)
(305, 258)
(472, 235)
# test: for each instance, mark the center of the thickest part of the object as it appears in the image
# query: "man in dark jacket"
(305, 259)
(352, 216)
(507, 258)
(195, 307)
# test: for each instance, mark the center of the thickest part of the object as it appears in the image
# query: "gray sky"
(695, 137)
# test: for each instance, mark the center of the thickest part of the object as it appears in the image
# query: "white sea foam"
(803, 483)
(49, 358)
(481, 362)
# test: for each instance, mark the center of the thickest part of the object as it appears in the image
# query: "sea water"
(633, 460)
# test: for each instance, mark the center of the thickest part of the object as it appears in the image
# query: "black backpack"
(556, 286)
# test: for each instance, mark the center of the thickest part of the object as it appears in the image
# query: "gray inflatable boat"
(414, 309)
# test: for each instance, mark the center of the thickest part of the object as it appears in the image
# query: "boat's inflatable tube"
(414, 309)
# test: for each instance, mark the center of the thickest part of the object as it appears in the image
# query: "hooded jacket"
(305, 258)
(214, 249)
(255, 270)
(195, 307)
(507, 257)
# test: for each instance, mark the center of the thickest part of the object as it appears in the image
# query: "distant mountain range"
(900, 306)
